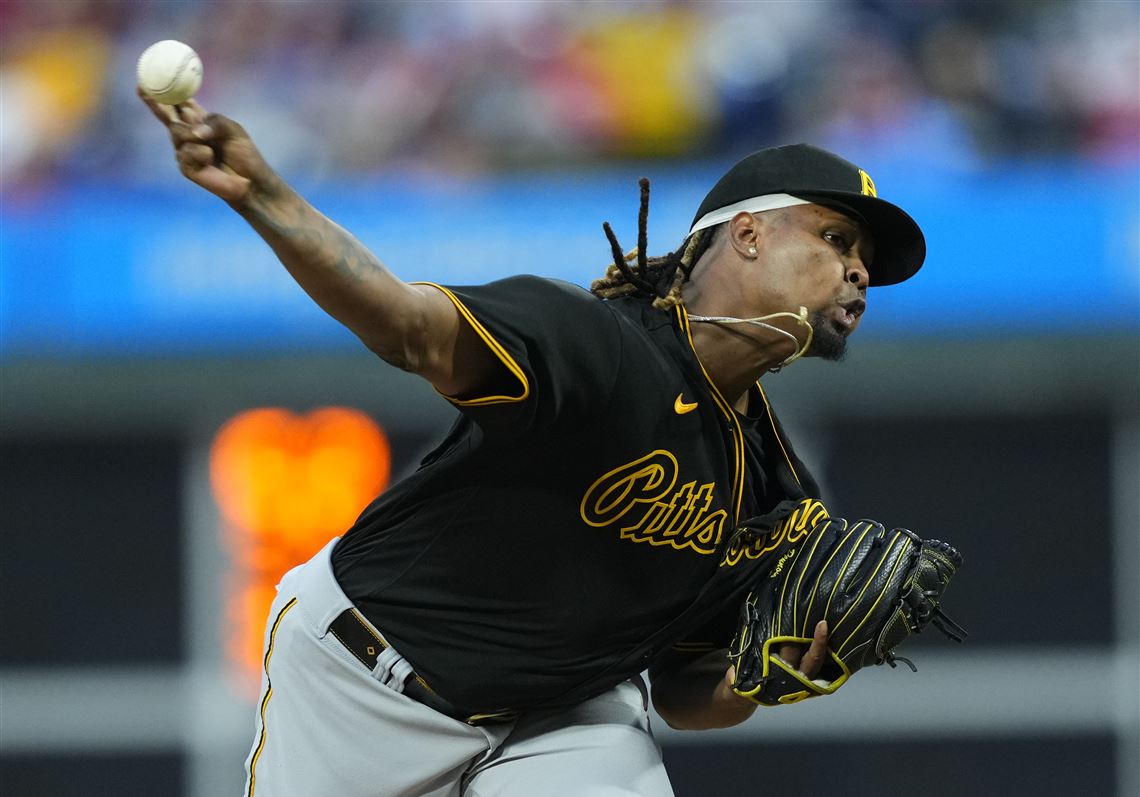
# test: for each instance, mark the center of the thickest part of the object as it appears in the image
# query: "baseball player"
(597, 510)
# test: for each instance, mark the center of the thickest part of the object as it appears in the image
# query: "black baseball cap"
(799, 173)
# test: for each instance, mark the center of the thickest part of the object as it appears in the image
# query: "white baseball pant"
(326, 725)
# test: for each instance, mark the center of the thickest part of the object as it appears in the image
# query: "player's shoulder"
(554, 301)
(544, 286)
(634, 315)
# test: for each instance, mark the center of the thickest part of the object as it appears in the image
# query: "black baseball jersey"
(580, 519)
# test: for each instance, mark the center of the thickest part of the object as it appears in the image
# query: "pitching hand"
(211, 150)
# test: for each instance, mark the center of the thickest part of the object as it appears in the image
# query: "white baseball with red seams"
(170, 72)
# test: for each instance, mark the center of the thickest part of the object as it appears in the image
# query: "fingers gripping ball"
(873, 587)
(170, 72)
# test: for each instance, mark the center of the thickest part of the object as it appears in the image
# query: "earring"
(752, 251)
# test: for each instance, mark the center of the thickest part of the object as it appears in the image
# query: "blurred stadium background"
(163, 379)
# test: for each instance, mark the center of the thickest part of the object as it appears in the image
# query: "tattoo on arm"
(334, 268)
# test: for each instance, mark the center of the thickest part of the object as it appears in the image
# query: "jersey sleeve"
(559, 346)
(715, 634)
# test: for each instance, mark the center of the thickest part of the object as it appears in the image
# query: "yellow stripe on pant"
(268, 692)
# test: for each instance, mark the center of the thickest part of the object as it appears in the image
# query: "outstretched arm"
(696, 693)
(415, 328)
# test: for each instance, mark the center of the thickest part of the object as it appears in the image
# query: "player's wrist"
(266, 196)
(734, 707)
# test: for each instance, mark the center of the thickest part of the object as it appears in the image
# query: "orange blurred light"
(285, 485)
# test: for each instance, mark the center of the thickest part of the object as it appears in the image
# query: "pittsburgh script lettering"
(795, 526)
(642, 495)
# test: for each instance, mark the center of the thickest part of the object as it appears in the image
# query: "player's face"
(815, 257)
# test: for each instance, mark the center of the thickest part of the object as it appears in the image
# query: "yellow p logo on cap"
(868, 184)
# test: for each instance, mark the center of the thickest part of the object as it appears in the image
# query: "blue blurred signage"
(122, 271)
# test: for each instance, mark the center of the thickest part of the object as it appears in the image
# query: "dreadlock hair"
(659, 277)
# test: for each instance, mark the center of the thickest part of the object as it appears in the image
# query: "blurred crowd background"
(993, 401)
(338, 87)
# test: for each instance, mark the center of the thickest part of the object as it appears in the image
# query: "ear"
(744, 235)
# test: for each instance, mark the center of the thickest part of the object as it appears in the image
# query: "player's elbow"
(674, 717)
(690, 705)
(678, 721)
(695, 717)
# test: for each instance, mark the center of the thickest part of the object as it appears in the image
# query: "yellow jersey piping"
(496, 348)
(776, 432)
(726, 408)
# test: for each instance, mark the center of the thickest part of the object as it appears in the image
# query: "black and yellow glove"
(873, 587)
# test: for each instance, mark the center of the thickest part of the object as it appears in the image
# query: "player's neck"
(736, 358)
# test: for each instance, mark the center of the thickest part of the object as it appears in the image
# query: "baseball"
(170, 72)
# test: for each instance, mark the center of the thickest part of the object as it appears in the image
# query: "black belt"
(364, 643)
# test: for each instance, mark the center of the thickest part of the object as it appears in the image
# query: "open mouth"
(844, 320)
(849, 312)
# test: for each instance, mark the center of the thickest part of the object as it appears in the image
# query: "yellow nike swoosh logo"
(680, 407)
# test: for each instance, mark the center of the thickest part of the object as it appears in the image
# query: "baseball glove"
(873, 587)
